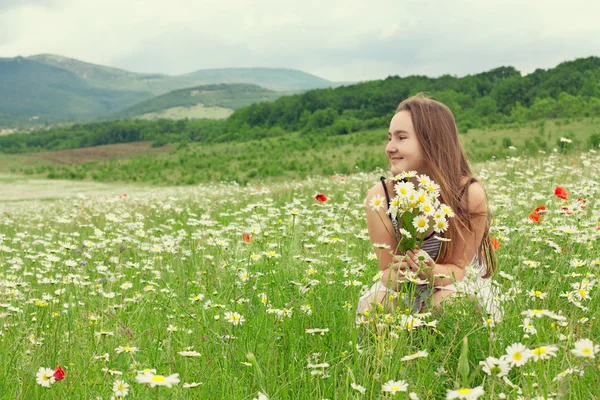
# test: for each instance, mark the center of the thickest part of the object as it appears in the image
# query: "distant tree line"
(502, 95)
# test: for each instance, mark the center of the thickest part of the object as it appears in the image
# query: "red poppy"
(246, 237)
(59, 373)
(535, 217)
(561, 193)
(495, 243)
(583, 202)
(567, 211)
(538, 209)
(321, 198)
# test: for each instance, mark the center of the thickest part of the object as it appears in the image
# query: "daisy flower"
(537, 294)
(234, 318)
(427, 208)
(189, 353)
(405, 234)
(126, 349)
(447, 210)
(404, 189)
(440, 225)
(544, 352)
(433, 189)
(496, 367)
(585, 348)
(517, 354)
(465, 393)
(377, 202)
(566, 372)
(192, 385)
(358, 388)
(120, 388)
(394, 386)
(413, 356)
(158, 380)
(421, 224)
(45, 376)
(528, 326)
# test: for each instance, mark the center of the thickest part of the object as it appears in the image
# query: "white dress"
(473, 284)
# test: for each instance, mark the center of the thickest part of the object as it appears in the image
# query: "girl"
(423, 138)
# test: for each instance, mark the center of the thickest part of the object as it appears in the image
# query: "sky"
(339, 40)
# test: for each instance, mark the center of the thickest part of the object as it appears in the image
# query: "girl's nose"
(389, 149)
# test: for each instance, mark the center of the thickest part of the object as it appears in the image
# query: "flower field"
(228, 292)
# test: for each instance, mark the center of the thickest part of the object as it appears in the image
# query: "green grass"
(83, 276)
(295, 156)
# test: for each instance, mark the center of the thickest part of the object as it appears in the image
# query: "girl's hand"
(417, 261)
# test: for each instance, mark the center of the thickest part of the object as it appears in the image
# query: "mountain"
(271, 78)
(47, 89)
(36, 92)
(224, 96)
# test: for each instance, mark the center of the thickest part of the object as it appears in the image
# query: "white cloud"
(339, 40)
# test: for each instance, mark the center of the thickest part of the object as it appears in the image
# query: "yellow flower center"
(158, 378)
(45, 377)
(539, 351)
(517, 356)
(422, 223)
(582, 292)
(395, 388)
(587, 351)
(538, 293)
(120, 388)
(126, 348)
(464, 391)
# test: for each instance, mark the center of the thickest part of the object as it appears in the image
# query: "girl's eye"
(402, 138)
(389, 139)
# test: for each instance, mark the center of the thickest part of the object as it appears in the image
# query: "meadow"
(228, 291)
(293, 156)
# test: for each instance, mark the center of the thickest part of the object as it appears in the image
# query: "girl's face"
(403, 149)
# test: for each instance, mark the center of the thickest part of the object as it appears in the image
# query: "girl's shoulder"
(475, 193)
(381, 186)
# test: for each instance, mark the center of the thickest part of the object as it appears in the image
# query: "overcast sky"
(340, 40)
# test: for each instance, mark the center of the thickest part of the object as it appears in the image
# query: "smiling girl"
(423, 138)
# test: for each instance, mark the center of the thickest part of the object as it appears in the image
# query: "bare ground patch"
(97, 153)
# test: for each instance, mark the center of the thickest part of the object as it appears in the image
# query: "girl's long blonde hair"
(446, 161)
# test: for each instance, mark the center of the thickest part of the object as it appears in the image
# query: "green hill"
(48, 89)
(228, 96)
(32, 92)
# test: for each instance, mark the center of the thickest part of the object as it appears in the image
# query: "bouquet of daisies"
(415, 210)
